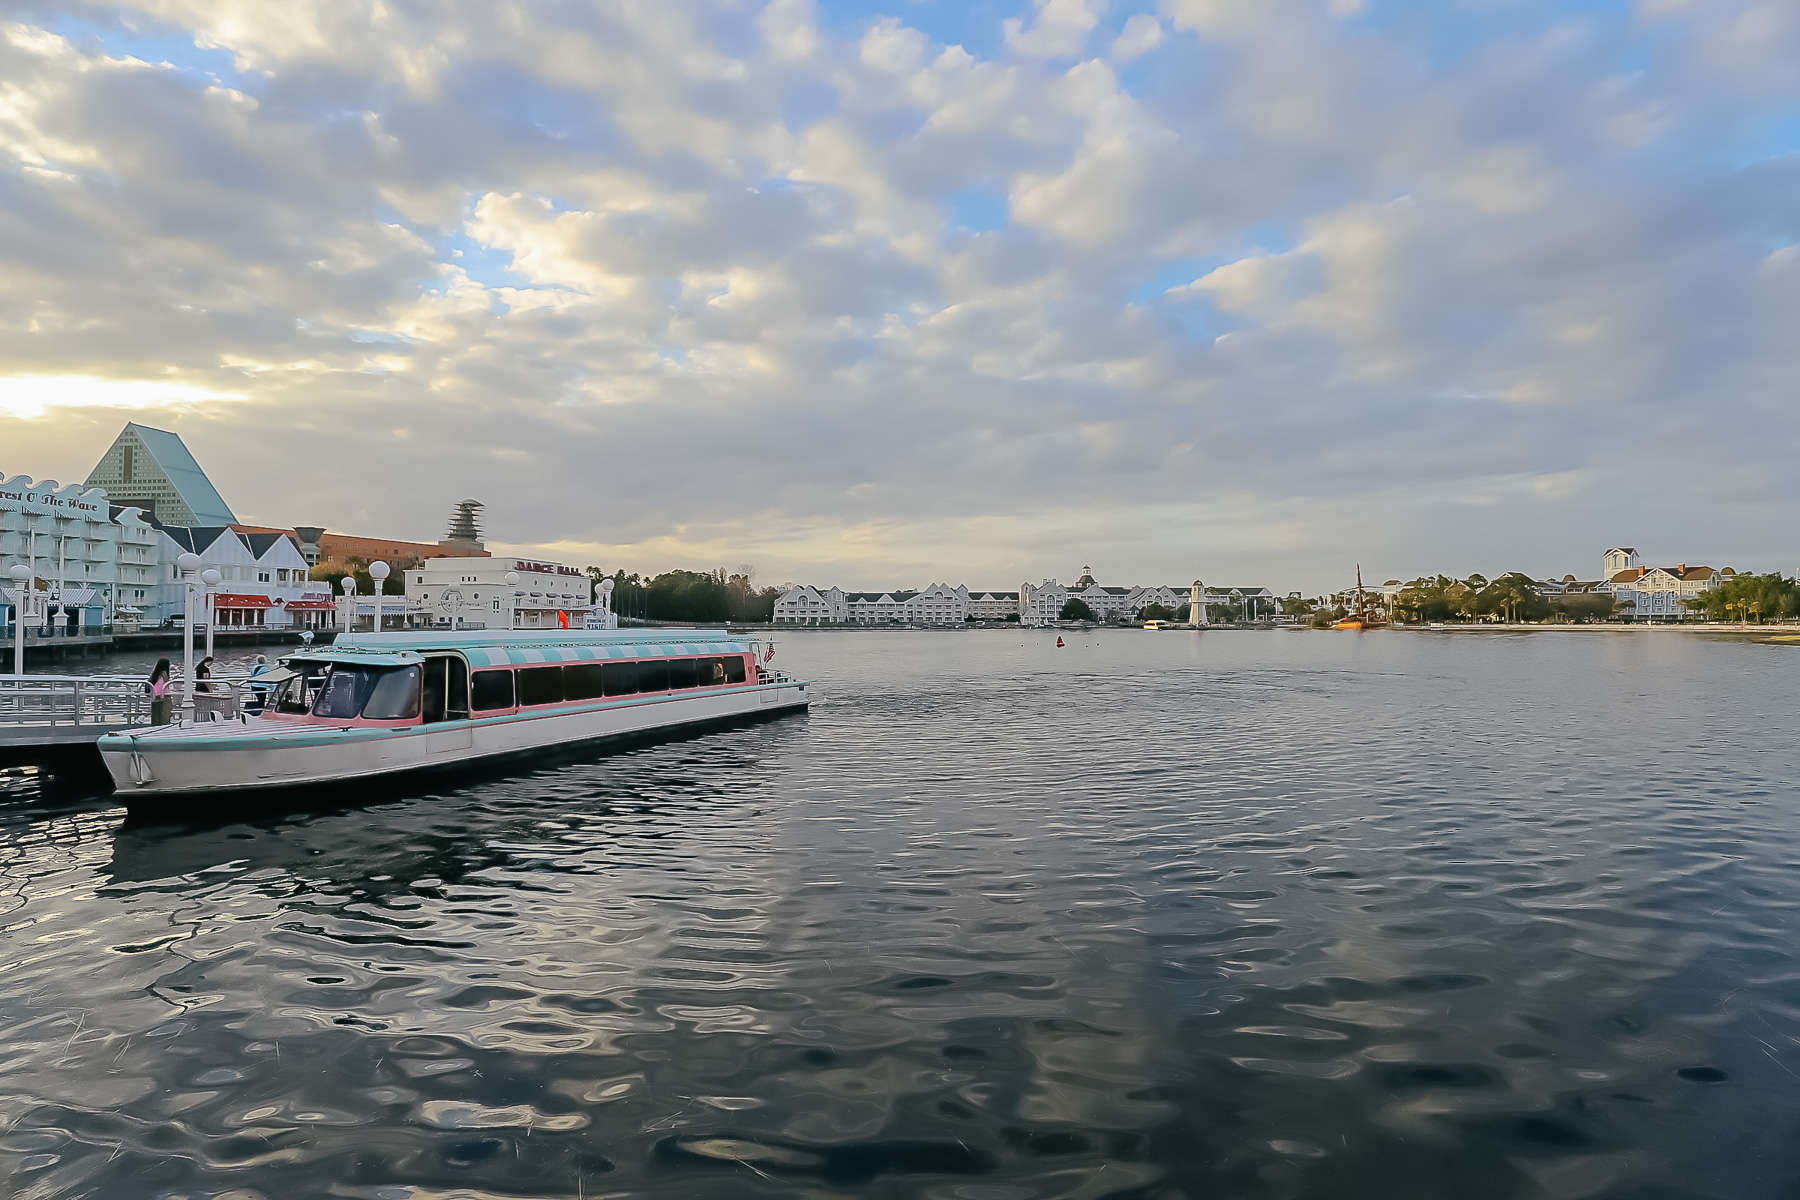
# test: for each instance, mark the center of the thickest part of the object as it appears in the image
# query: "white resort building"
(93, 562)
(475, 593)
(1034, 604)
(262, 582)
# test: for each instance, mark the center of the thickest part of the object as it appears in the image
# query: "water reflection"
(1164, 916)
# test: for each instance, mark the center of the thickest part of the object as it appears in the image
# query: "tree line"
(712, 596)
(1512, 597)
(1749, 598)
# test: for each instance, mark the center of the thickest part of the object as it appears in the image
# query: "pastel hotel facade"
(1039, 604)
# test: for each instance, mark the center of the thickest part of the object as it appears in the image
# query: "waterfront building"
(151, 469)
(99, 561)
(262, 585)
(1654, 593)
(877, 608)
(801, 605)
(473, 593)
(993, 606)
(1037, 604)
(1041, 604)
(938, 604)
(1173, 599)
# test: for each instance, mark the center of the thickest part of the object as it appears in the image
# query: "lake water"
(1154, 915)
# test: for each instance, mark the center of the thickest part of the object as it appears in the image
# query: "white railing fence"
(105, 700)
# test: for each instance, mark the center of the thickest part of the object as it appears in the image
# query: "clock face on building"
(451, 602)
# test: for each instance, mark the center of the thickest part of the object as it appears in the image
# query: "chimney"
(1682, 569)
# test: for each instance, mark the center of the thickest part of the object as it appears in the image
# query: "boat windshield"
(294, 694)
(374, 693)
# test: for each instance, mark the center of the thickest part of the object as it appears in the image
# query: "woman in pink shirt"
(161, 693)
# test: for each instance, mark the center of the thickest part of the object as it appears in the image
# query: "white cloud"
(1142, 34)
(1056, 29)
(871, 290)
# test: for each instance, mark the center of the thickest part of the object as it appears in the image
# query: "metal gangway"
(42, 711)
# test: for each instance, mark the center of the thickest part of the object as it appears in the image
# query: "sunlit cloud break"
(31, 397)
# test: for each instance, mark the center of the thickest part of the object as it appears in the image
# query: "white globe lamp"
(21, 577)
(189, 564)
(379, 571)
(210, 577)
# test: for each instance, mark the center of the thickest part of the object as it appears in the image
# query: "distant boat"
(1360, 618)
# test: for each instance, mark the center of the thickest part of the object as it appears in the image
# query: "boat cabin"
(384, 680)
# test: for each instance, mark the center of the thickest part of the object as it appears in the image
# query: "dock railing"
(65, 705)
(103, 701)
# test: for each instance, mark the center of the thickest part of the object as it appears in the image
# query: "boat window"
(345, 691)
(492, 690)
(456, 689)
(446, 689)
(683, 672)
(582, 681)
(540, 685)
(395, 696)
(734, 669)
(653, 676)
(620, 678)
(295, 695)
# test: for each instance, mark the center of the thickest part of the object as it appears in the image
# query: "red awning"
(236, 600)
(293, 604)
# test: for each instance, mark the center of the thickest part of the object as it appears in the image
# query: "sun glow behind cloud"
(32, 397)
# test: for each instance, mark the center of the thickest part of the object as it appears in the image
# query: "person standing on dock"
(258, 693)
(162, 699)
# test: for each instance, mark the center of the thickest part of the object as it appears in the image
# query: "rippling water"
(1155, 915)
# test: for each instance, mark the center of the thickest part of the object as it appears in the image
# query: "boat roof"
(523, 647)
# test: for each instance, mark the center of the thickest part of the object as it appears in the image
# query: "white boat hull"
(260, 754)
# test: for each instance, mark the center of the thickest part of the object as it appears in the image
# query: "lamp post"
(349, 583)
(512, 599)
(378, 571)
(210, 577)
(21, 576)
(189, 567)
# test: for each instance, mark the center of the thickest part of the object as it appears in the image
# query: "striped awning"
(522, 656)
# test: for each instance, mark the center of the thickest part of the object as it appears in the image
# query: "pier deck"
(47, 711)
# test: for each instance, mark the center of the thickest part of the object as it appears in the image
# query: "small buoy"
(1059, 642)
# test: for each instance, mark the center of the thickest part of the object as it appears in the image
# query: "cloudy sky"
(873, 292)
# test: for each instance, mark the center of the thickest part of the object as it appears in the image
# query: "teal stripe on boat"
(524, 656)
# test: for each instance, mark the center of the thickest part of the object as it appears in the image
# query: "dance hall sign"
(17, 494)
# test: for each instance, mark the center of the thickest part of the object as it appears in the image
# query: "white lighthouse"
(1197, 605)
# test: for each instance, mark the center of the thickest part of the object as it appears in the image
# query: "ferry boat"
(376, 704)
